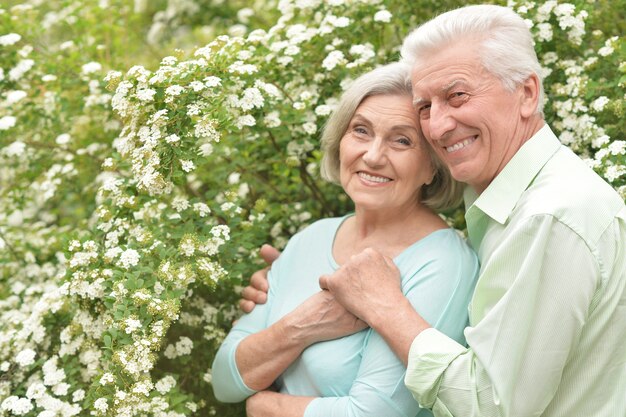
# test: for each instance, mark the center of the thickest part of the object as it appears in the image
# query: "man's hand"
(320, 318)
(367, 285)
(256, 292)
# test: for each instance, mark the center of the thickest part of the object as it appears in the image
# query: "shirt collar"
(499, 199)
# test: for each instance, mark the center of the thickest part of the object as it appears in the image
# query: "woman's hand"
(274, 404)
(256, 292)
(321, 318)
(369, 287)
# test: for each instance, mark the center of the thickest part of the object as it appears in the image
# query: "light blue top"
(356, 375)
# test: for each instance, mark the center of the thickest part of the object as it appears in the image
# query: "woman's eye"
(360, 130)
(404, 141)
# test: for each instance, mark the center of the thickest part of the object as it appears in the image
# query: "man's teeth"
(372, 178)
(460, 145)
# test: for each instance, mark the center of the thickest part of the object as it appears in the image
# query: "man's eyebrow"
(444, 89)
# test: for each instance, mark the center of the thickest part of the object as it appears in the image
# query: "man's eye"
(458, 98)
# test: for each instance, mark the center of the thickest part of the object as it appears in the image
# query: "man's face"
(470, 119)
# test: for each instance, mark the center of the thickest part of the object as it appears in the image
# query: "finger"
(253, 295)
(258, 280)
(269, 253)
(246, 306)
(324, 282)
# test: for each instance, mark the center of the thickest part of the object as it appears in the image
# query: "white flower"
(169, 61)
(90, 68)
(15, 149)
(36, 391)
(63, 139)
(174, 90)
(180, 203)
(60, 389)
(173, 138)
(617, 147)
(245, 120)
(615, 172)
(129, 258)
(206, 128)
(145, 94)
(202, 209)
(26, 357)
(193, 110)
(599, 103)
(20, 69)
(338, 22)
(310, 128)
(66, 45)
(212, 81)
(252, 98)
(323, 110)
(132, 325)
(333, 59)
(272, 119)
(16, 405)
(164, 385)
(205, 149)
(383, 16)
(107, 378)
(48, 78)
(7, 122)
(608, 48)
(78, 395)
(182, 347)
(14, 96)
(234, 177)
(9, 39)
(187, 166)
(101, 405)
(240, 68)
(544, 32)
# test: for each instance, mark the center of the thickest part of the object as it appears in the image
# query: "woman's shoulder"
(320, 231)
(444, 248)
(327, 225)
(447, 241)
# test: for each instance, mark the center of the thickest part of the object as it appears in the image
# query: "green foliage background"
(115, 254)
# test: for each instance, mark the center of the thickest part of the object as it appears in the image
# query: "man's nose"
(440, 121)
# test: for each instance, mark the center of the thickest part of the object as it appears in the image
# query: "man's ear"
(530, 95)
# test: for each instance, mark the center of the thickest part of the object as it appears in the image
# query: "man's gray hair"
(504, 42)
(392, 79)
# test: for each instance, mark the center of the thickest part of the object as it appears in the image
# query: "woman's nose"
(375, 153)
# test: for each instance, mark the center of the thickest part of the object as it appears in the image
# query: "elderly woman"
(285, 355)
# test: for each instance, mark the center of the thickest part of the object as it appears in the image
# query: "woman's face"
(383, 161)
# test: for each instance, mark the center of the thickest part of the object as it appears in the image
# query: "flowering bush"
(132, 204)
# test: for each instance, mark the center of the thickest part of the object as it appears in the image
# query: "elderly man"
(547, 326)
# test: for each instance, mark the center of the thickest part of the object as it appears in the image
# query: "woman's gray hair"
(443, 192)
(504, 40)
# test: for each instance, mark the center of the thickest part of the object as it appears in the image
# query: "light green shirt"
(547, 334)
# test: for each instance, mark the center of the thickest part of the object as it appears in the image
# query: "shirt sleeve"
(440, 291)
(228, 385)
(536, 293)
